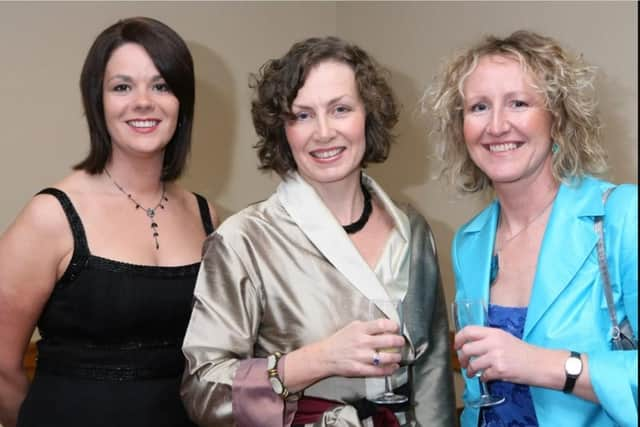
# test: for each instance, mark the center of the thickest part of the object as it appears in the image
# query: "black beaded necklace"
(150, 212)
(354, 227)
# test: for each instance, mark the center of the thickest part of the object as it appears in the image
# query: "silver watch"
(572, 370)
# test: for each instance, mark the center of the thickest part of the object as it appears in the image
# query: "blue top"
(567, 309)
(517, 409)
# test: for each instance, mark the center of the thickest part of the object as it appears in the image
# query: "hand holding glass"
(474, 312)
(388, 397)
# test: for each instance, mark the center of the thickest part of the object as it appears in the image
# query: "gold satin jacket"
(282, 274)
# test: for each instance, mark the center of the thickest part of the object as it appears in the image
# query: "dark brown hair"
(278, 81)
(172, 58)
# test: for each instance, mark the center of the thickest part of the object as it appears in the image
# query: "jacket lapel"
(568, 240)
(306, 208)
(475, 262)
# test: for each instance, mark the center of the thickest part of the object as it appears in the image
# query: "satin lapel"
(306, 208)
(568, 240)
(475, 262)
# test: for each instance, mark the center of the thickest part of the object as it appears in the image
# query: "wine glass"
(376, 308)
(474, 312)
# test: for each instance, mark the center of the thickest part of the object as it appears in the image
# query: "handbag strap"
(604, 270)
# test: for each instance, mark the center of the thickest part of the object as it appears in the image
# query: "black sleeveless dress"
(110, 353)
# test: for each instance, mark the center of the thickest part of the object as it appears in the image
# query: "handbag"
(622, 337)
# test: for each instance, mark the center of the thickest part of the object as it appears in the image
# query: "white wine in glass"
(474, 312)
(389, 305)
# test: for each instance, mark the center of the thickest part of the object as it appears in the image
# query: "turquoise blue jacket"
(567, 309)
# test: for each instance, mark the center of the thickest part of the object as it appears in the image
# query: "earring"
(555, 148)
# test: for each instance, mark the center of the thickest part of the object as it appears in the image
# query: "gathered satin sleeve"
(223, 383)
(426, 316)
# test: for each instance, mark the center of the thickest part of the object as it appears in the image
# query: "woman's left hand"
(500, 355)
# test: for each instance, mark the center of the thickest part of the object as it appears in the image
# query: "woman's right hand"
(349, 352)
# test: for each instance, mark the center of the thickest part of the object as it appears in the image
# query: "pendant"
(495, 267)
(150, 212)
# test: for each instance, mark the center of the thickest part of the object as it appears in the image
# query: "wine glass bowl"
(377, 308)
(468, 312)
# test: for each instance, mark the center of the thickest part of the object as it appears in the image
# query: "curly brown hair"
(278, 81)
(566, 83)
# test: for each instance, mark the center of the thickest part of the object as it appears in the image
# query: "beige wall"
(42, 46)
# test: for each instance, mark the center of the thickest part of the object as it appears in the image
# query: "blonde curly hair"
(566, 83)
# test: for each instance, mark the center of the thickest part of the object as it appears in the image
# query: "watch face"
(573, 366)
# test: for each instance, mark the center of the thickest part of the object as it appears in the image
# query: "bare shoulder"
(48, 210)
(42, 216)
(34, 246)
(188, 199)
(43, 224)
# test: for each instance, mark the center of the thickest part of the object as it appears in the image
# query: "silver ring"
(376, 359)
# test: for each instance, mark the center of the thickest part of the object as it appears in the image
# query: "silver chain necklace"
(150, 212)
(531, 221)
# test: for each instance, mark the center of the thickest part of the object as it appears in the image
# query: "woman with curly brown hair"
(280, 333)
(516, 115)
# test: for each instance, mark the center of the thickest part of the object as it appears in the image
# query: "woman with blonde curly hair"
(517, 115)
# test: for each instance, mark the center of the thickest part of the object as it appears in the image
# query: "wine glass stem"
(483, 388)
(387, 385)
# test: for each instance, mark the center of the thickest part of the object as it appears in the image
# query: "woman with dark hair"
(517, 116)
(105, 261)
(280, 333)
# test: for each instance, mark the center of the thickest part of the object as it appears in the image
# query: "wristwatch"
(572, 370)
(276, 382)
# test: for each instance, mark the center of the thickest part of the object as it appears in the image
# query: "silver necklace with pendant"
(495, 260)
(150, 212)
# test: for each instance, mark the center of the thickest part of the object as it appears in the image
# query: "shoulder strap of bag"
(604, 271)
